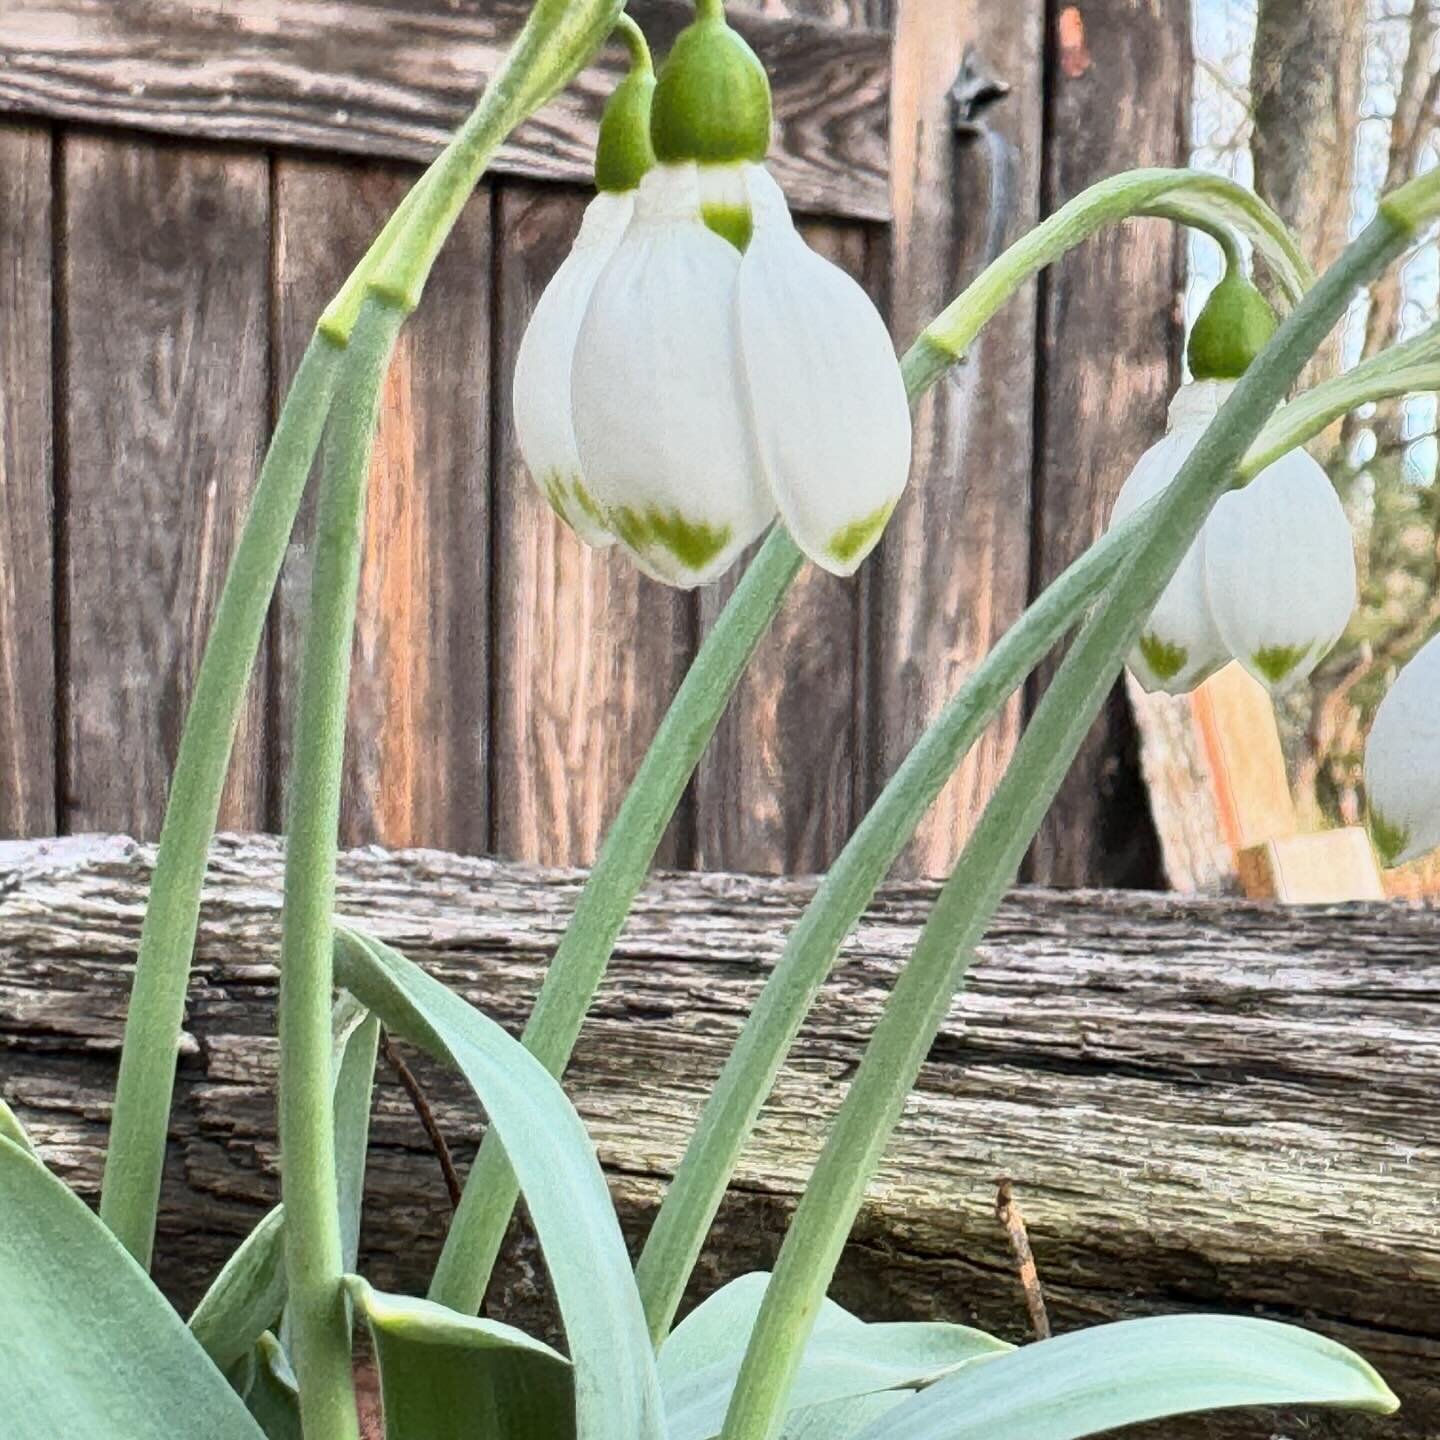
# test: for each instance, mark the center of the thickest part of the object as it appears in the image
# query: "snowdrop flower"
(1271, 579)
(724, 371)
(659, 408)
(1181, 645)
(1402, 762)
(1280, 570)
(826, 399)
(544, 425)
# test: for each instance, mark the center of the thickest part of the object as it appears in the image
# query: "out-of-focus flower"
(1402, 762)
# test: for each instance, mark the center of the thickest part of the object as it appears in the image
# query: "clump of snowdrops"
(693, 372)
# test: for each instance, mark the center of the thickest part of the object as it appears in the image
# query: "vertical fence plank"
(165, 322)
(27, 640)
(1107, 356)
(416, 768)
(587, 651)
(776, 792)
(952, 572)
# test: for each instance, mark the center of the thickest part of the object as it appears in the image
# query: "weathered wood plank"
(952, 571)
(1109, 363)
(416, 764)
(1202, 1104)
(587, 651)
(393, 77)
(776, 792)
(27, 510)
(165, 321)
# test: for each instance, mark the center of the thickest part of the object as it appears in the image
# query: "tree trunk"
(1201, 1104)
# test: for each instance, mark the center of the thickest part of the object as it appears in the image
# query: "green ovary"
(1389, 838)
(1164, 660)
(1275, 662)
(694, 543)
(858, 536)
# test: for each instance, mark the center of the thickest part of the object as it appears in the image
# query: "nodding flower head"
(1402, 762)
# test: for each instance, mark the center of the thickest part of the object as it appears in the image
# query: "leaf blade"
(1136, 1370)
(131, 1366)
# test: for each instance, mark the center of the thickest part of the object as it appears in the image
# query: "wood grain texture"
(1108, 365)
(393, 77)
(416, 763)
(778, 788)
(588, 652)
(1201, 1104)
(952, 571)
(27, 508)
(165, 322)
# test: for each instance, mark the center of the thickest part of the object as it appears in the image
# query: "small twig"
(1007, 1212)
(426, 1116)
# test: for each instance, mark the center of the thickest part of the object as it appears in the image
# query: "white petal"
(832, 422)
(1180, 646)
(659, 415)
(543, 423)
(1402, 762)
(1280, 570)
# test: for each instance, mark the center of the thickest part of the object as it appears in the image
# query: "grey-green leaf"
(92, 1348)
(841, 1419)
(268, 1386)
(447, 1376)
(617, 1395)
(1132, 1371)
(844, 1358)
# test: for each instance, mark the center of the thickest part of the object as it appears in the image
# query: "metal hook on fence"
(977, 89)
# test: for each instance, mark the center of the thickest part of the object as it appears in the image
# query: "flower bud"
(660, 415)
(1280, 570)
(1180, 646)
(1402, 762)
(827, 401)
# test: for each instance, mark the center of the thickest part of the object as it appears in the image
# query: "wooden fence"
(183, 185)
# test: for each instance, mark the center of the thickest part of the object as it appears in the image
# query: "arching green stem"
(313, 1253)
(924, 991)
(139, 1121)
(478, 1228)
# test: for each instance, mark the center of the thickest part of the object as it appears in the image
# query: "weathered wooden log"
(1201, 1103)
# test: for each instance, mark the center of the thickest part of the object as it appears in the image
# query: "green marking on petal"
(1390, 839)
(1275, 662)
(590, 505)
(553, 485)
(857, 537)
(730, 222)
(694, 543)
(1164, 659)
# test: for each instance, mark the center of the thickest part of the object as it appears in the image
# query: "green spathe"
(623, 153)
(712, 99)
(1233, 327)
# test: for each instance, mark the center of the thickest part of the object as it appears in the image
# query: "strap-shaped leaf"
(1135, 1370)
(92, 1348)
(841, 1419)
(267, 1384)
(447, 1376)
(617, 1394)
(844, 1358)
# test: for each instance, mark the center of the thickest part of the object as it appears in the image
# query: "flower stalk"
(139, 1121)
(313, 1251)
(475, 1235)
(924, 991)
